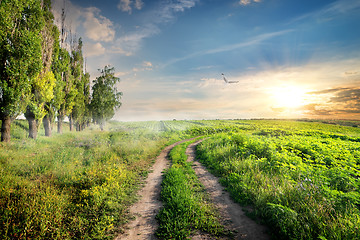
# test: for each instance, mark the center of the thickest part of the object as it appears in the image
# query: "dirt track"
(145, 210)
(233, 216)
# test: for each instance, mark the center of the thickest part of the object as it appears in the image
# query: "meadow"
(300, 178)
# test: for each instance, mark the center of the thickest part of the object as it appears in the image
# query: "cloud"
(93, 49)
(340, 101)
(144, 66)
(247, 2)
(127, 5)
(252, 41)
(147, 64)
(331, 10)
(97, 27)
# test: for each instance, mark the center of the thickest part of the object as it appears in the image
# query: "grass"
(302, 179)
(77, 185)
(187, 208)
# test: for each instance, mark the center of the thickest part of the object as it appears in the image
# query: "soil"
(144, 225)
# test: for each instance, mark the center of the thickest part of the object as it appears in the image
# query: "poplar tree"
(105, 97)
(21, 22)
(77, 63)
(42, 87)
(65, 90)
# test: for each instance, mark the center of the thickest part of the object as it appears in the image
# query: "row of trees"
(43, 80)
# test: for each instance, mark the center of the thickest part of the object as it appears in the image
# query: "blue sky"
(291, 58)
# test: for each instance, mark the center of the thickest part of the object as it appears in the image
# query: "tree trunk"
(71, 122)
(59, 125)
(78, 127)
(5, 129)
(102, 125)
(47, 125)
(32, 128)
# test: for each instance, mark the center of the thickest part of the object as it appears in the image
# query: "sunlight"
(289, 96)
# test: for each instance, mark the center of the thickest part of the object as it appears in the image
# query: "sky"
(292, 59)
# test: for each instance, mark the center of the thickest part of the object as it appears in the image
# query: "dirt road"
(145, 210)
(232, 214)
(144, 225)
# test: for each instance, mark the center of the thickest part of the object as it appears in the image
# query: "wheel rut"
(233, 217)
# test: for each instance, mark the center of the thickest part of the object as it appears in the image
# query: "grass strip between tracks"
(186, 205)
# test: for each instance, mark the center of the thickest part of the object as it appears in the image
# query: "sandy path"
(233, 216)
(145, 210)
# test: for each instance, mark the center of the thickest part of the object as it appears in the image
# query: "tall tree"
(65, 90)
(105, 97)
(21, 22)
(87, 95)
(52, 106)
(43, 85)
(77, 63)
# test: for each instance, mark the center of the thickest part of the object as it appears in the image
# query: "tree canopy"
(21, 22)
(105, 97)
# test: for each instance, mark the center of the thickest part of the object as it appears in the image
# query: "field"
(299, 178)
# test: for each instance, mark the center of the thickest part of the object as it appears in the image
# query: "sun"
(288, 96)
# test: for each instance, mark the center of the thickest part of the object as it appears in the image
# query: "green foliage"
(20, 53)
(186, 206)
(42, 87)
(105, 97)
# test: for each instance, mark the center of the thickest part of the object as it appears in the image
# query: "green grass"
(186, 205)
(77, 185)
(301, 178)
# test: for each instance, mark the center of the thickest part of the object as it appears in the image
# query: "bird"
(226, 81)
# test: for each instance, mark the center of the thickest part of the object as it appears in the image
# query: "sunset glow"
(289, 97)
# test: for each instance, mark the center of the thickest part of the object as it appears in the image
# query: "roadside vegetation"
(74, 185)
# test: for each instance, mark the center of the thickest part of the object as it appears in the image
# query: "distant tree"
(105, 97)
(21, 22)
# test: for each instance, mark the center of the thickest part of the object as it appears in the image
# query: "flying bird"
(226, 81)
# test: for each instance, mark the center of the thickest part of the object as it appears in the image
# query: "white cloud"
(93, 49)
(138, 4)
(247, 2)
(127, 5)
(97, 27)
(144, 66)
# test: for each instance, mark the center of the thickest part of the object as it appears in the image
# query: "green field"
(300, 178)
